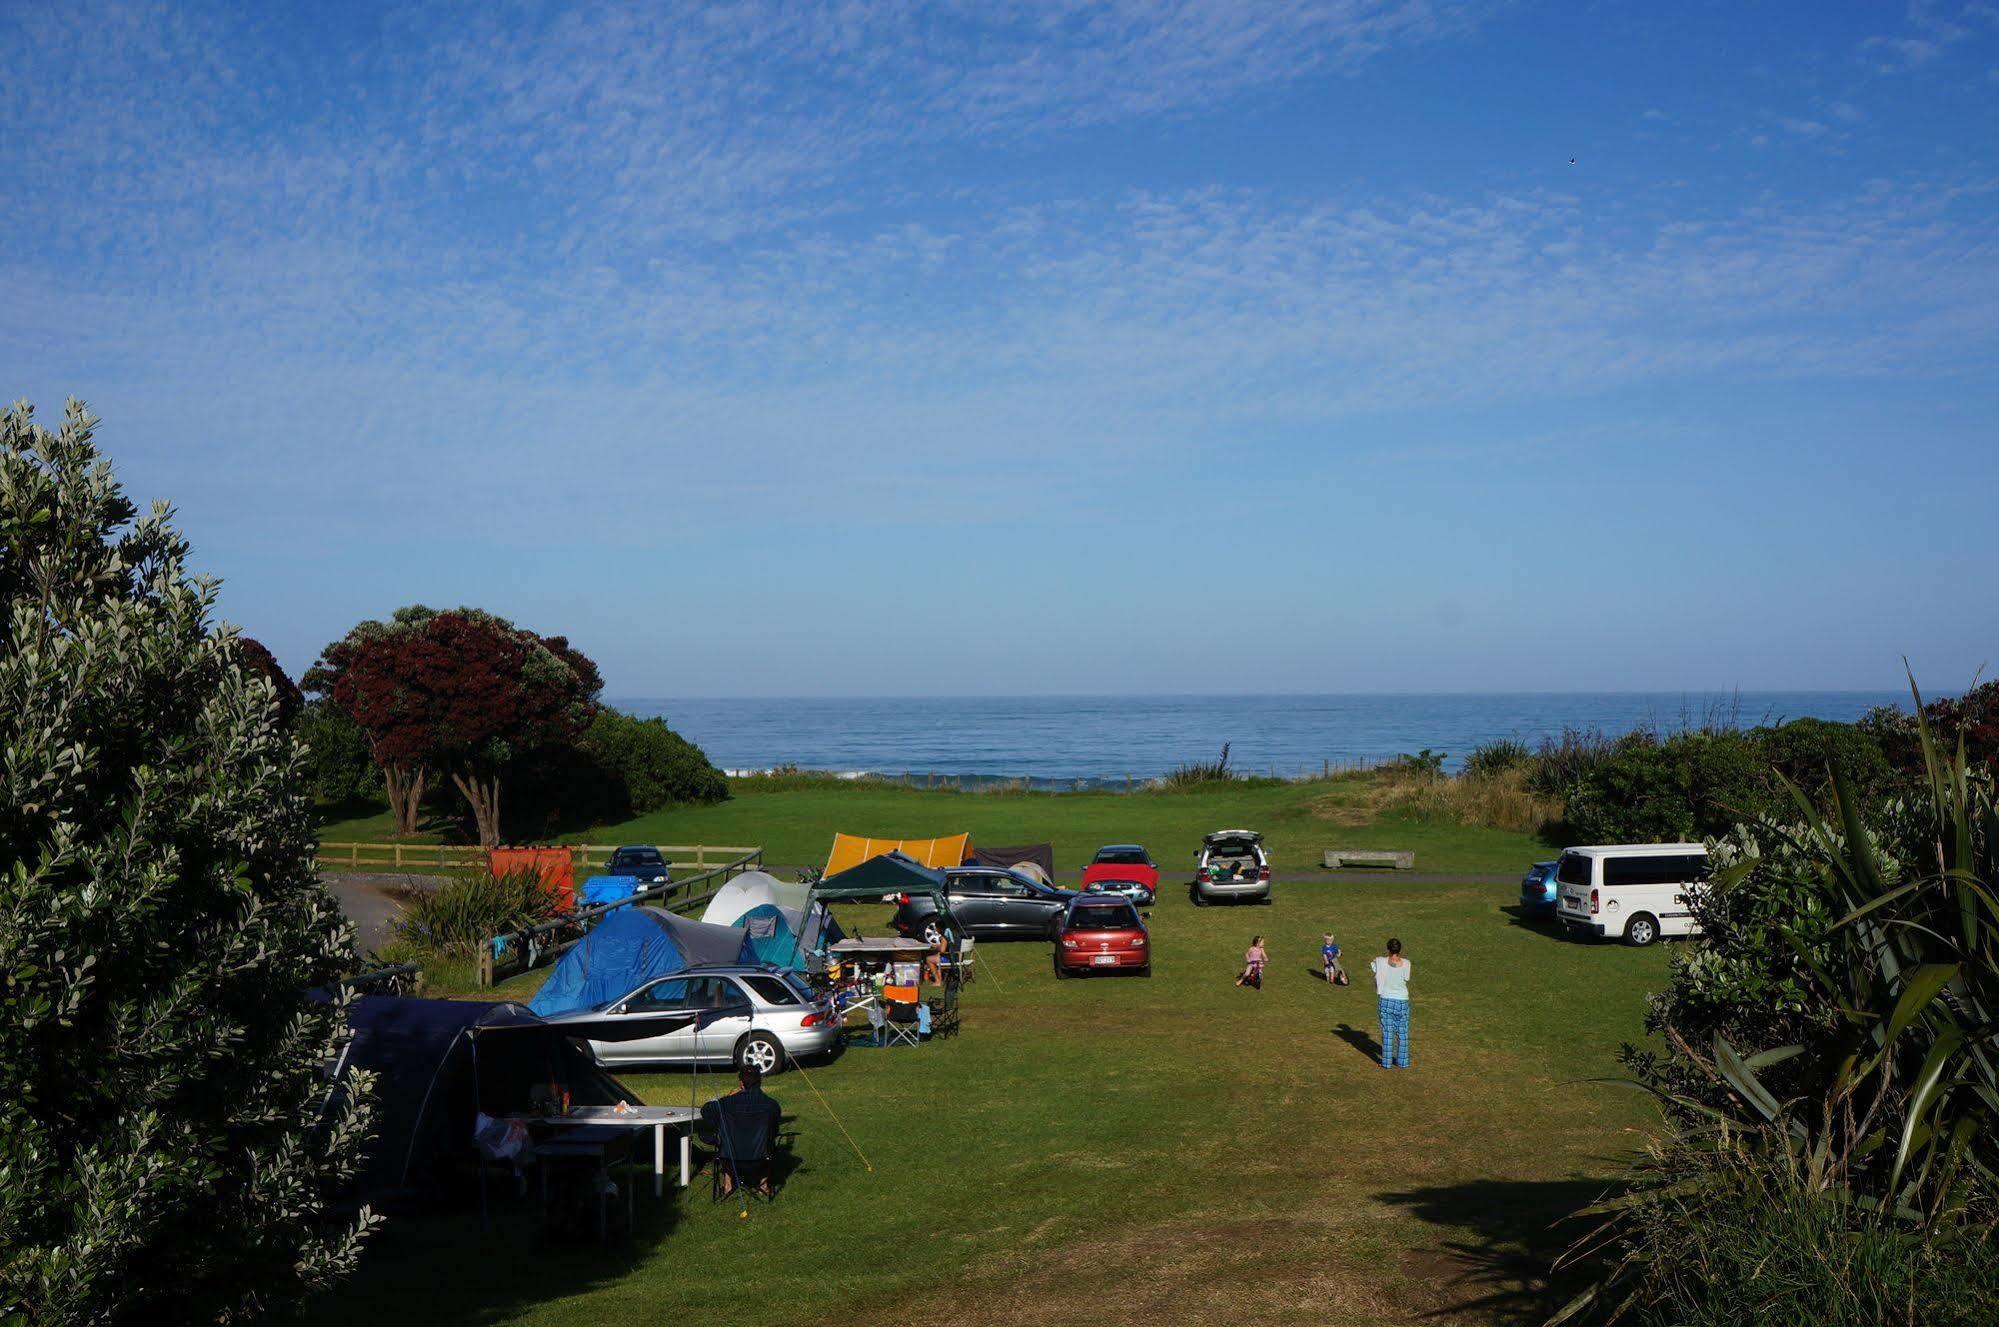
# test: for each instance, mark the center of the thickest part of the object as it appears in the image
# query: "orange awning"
(853, 849)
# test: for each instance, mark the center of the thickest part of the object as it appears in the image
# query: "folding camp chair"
(962, 967)
(751, 1171)
(904, 1024)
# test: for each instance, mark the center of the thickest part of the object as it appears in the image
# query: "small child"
(1252, 965)
(1329, 953)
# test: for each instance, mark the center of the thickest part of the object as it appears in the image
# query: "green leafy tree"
(655, 765)
(169, 1152)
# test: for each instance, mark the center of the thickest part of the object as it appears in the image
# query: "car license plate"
(1105, 960)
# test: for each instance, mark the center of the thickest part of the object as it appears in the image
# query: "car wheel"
(1145, 971)
(1199, 902)
(931, 932)
(1641, 930)
(761, 1050)
(1061, 973)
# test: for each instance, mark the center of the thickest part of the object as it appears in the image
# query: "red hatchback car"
(1122, 868)
(1102, 933)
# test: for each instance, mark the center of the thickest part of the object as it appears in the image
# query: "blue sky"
(994, 347)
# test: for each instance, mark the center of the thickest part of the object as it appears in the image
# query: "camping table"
(585, 1142)
(877, 952)
(657, 1118)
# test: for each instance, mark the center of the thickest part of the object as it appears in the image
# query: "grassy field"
(795, 826)
(1127, 1150)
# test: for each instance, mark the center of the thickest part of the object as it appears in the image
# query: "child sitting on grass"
(1329, 953)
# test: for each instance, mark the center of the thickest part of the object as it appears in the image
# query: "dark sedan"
(644, 865)
(991, 903)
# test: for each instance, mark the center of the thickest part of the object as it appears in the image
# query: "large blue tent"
(630, 946)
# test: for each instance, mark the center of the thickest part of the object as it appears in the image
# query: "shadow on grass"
(1543, 924)
(1359, 1040)
(1506, 1234)
(433, 1264)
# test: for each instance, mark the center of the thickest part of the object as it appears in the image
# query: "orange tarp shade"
(555, 866)
(852, 850)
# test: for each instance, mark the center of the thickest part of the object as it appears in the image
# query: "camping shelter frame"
(831, 891)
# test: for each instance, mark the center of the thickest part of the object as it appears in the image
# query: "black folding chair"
(744, 1150)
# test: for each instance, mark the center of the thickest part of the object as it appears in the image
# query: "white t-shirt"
(1391, 980)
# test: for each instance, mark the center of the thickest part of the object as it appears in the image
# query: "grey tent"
(1041, 854)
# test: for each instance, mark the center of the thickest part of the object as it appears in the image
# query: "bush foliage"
(459, 913)
(168, 1151)
(653, 765)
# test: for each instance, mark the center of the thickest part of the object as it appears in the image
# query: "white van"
(1639, 891)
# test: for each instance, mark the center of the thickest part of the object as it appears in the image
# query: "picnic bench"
(1398, 861)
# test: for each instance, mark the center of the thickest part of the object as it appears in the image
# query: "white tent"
(752, 889)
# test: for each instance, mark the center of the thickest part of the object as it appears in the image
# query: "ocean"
(1099, 741)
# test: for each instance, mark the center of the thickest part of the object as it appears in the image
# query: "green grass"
(1121, 1150)
(795, 826)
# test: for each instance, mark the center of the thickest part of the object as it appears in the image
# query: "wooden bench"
(1399, 861)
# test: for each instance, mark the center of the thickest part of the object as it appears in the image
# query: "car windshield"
(637, 857)
(1103, 919)
(1122, 857)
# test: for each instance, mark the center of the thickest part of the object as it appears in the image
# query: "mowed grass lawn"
(1299, 822)
(1170, 1150)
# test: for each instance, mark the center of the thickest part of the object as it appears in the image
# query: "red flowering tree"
(460, 692)
(1972, 717)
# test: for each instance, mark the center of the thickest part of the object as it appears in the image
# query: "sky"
(1001, 347)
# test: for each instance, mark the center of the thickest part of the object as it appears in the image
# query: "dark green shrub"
(1490, 758)
(1423, 765)
(1562, 763)
(336, 753)
(168, 1149)
(655, 765)
(460, 913)
(1197, 773)
(1803, 750)
(1692, 786)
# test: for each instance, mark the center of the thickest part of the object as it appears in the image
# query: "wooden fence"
(504, 956)
(446, 857)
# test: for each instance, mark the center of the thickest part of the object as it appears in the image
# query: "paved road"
(365, 899)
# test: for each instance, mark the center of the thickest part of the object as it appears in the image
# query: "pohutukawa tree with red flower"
(461, 692)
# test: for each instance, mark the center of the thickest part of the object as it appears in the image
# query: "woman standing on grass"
(1252, 965)
(1391, 997)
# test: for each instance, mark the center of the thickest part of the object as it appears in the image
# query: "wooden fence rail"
(441, 856)
(504, 956)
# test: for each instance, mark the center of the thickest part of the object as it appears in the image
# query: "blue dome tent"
(630, 946)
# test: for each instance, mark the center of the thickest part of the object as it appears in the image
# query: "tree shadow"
(1359, 1040)
(434, 1263)
(1508, 1234)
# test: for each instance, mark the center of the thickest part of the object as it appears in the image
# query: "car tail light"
(812, 1020)
(1594, 901)
(1138, 942)
(1263, 874)
(1067, 943)
(902, 898)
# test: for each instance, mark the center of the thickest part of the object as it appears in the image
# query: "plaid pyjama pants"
(1394, 1032)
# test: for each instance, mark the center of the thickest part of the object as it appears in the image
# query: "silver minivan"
(1231, 868)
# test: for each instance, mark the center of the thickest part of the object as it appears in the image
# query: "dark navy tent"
(631, 946)
(439, 1062)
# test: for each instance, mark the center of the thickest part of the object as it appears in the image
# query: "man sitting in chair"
(745, 1126)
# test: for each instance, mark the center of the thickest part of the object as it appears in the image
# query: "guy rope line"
(796, 1064)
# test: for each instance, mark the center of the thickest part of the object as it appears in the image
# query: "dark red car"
(1122, 868)
(1102, 933)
